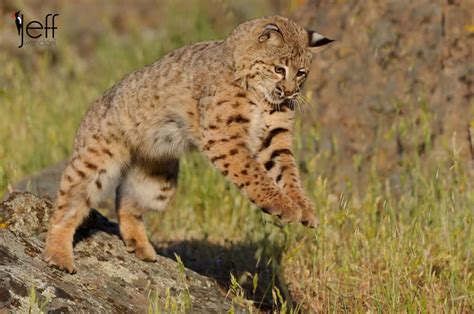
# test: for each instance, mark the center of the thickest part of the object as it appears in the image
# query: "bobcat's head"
(272, 56)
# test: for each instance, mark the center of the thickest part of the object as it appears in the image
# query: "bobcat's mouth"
(276, 98)
(270, 97)
(273, 99)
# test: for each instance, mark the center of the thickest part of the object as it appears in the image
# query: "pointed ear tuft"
(317, 40)
(271, 34)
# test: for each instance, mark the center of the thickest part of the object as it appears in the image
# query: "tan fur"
(227, 98)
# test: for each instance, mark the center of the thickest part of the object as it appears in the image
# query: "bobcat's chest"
(257, 129)
(266, 121)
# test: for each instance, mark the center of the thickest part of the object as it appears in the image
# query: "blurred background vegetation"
(385, 148)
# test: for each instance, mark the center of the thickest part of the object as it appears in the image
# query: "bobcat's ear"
(316, 40)
(271, 35)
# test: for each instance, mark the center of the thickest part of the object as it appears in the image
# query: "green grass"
(37, 302)
(383, 247)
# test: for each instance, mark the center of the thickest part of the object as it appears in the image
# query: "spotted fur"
(232, 99)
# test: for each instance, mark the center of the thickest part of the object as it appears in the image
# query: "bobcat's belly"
(168, 140)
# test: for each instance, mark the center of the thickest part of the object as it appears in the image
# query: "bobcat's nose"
(289, 94)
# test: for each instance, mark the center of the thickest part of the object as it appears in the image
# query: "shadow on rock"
(94, 223)
(242, 260)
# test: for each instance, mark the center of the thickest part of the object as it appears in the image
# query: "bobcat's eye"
(301, 73)
(280, 70)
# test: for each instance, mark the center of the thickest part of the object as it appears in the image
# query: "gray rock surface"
(43, 183)
(108, 279)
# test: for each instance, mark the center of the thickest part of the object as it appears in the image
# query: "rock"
(45, 183)
(108, 279)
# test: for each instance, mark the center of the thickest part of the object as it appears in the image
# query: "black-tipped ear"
(317, 40)
(271, 34)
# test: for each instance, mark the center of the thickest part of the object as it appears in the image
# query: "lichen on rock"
(108, 279)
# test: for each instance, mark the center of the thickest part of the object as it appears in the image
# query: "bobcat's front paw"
(284, 208)
(308, 217)
(291, 214)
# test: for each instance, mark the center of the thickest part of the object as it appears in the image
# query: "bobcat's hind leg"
(84, 181)
(94, 169)
(59, 241)
(145, 187)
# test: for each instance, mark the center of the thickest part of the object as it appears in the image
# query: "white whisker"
(307, 103)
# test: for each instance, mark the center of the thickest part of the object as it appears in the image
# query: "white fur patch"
(108, 181)
(170, 139)
(146, 191)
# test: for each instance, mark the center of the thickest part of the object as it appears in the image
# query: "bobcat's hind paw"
(142, 250)
(146, 254)
(60, 260)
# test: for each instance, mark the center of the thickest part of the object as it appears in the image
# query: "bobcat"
(233, 99)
